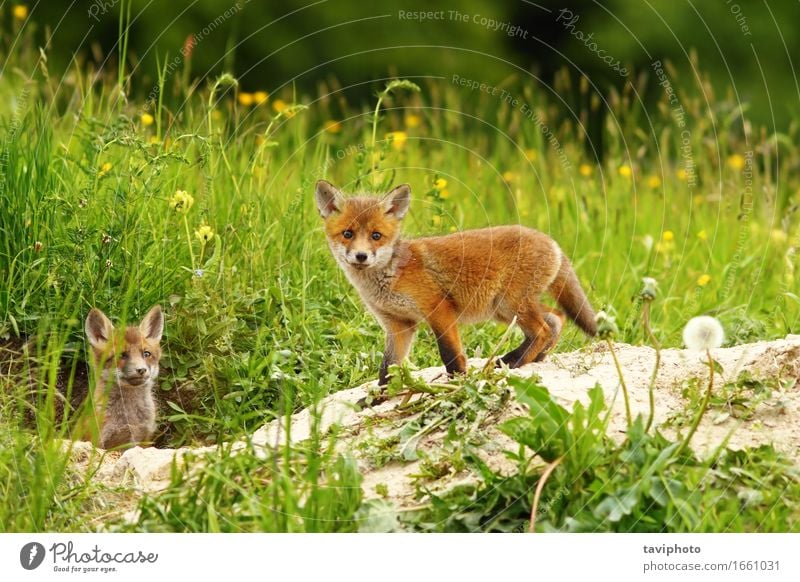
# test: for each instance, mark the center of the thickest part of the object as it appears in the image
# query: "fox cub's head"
(362, 230)
(133, 355)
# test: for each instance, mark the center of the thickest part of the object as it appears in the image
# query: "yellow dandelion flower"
(104, 169)
(625, 171)
(702, 235)
(436, 220)
(703, 280)
(585, 170)
(20, 11)
(452, 228)
(153, 140)
(778, 236)
(440, 184)
(681, 174)
(653, 182)
(181, 201)
(668, 236)
(531, 155)
(147, 119)
(260, 97)
(736, 161)
(412, 121)
(509, 176)
(245, 99)
(204, 234)
(332, 126)
(444, 194)
(398, 139)
(279, 105)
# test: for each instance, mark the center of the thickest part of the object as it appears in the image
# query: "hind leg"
(541, 329)
(556, 320)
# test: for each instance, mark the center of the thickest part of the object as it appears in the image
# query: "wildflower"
(681, 174)
(104, 169)
(398, 139)
(444, 194)
(653, 182)
(332, 126)
(647, 241)
(216, 115)
(703, 333)
(20, 11)
(198, 273)
(38, 246)
(154, 140)
(452, 228)
(245, 99)
(279, 105)
(703, 280)
(106, 240)
(531, 155)
(109, 264)
(668, 236)
(181, 202)
(440, 184)
(509, 176)
(649, 290)
(436, 220)
(83, 203)
(585, 170)
(606, 325)
(412, 121)
(260, 97)
(204, 234)
(625, 171)
(736, 161)
(147, 119)
(778, 236)
(702, 235)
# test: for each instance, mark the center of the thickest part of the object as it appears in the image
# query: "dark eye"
(124, 355)
(376, 236)
(347, 234)
(146, 354)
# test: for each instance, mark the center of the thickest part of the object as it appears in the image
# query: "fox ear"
(329, 199)
(98, 329)
(152, 325)
(398, 200)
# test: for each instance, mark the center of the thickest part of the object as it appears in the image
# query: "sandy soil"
(774, 418)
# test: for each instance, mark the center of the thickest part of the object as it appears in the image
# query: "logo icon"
(31, 555)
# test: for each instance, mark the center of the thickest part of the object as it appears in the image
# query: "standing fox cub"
(126, 368)
(490, 273)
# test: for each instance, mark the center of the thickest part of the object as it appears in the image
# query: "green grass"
(259, 319)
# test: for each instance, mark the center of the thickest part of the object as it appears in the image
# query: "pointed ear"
(329, 199)
(98, 329)
(398, 200)
(152, 325)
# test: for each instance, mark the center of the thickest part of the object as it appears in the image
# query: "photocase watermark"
(524, 108)
(101, 7)
(31, 555)
(569, 19)
(679, 116)
(487, 22)
(741, 19)
(189, 46)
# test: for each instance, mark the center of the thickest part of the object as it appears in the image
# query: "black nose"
(361, 257)
(141, 371)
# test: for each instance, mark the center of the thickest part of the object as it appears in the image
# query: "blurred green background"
(745, 46)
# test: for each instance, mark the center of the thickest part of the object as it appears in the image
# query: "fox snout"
(359, 258)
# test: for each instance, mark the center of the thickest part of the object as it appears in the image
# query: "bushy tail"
(567, 291)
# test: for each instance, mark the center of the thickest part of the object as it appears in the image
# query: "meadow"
(201, 200)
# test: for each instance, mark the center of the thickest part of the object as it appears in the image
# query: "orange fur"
(490, 273)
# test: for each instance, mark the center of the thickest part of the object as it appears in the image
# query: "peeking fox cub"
(475, 275)
(126, 366)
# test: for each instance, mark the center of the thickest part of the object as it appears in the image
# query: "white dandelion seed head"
(703, 333)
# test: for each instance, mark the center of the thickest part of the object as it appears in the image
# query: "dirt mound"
(757, 402)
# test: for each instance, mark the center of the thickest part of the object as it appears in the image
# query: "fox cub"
(127, 367)
(489, 273)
